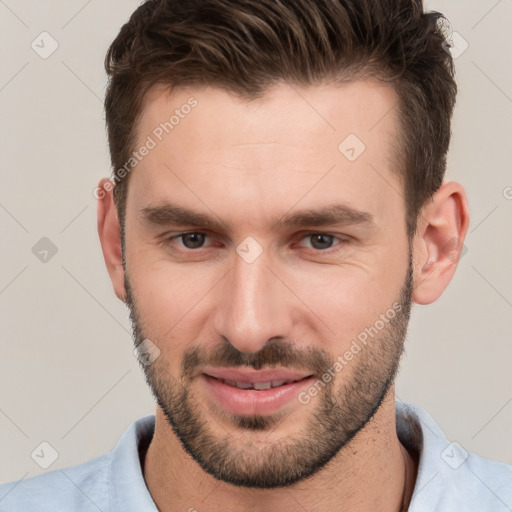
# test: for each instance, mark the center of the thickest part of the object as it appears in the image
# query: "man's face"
(304, 261)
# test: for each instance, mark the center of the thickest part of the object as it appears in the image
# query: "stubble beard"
(333, 418)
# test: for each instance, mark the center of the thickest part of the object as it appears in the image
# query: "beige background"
(67, 372)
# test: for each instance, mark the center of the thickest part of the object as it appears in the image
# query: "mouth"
(252, 392)
(258, 386)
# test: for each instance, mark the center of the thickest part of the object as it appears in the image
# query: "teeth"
(257, 385)
(262, 385)
(243, 385)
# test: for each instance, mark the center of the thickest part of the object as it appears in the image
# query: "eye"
(318, 242)
(323, 241)
(192, 240)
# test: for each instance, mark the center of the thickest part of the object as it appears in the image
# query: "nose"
(254, 306)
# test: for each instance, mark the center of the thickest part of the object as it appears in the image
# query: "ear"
(109, 231)
(439, 241)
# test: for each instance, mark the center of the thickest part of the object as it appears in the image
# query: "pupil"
(321, 241)
(193, 240)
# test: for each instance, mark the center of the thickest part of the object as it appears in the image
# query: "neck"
(374, 472)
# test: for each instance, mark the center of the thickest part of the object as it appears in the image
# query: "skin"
(248, 164)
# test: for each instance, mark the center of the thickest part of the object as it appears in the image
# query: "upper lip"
(248, 375)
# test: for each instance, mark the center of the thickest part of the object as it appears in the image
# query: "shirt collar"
(128, 490)
(416, 430)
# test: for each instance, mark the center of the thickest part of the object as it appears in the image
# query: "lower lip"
(252, 402)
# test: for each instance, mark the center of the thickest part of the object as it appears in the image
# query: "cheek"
(347, 299)
(177, 302)
(170, 298)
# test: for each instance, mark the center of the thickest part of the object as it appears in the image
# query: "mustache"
(275, 353)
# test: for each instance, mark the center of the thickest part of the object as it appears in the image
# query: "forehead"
(212, 149)
(285, 113)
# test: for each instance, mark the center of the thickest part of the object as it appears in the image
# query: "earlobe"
(109, 232)
(442, 228)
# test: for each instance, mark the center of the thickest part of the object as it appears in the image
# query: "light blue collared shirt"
(449, 478)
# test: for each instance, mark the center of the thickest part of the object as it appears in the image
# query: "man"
(277, 205)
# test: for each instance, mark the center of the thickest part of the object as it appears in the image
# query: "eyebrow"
(169, 214)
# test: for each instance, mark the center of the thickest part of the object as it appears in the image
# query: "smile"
(253, 393)
(258, 385)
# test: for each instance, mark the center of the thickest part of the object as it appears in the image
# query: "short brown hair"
(244, 46)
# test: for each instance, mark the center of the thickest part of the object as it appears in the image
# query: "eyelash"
(343, 240)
